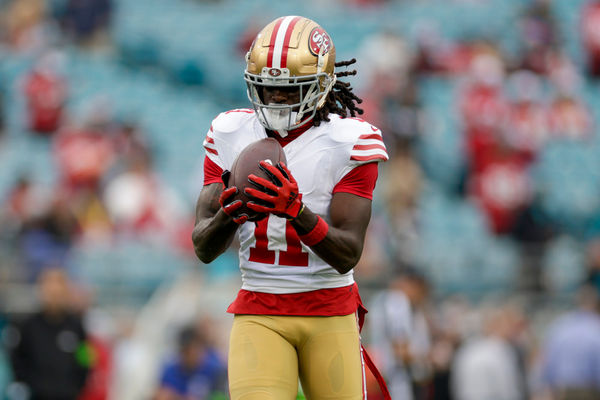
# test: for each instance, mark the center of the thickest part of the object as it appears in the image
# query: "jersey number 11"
(294, 256)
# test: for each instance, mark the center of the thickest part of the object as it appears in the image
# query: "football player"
(298, 313)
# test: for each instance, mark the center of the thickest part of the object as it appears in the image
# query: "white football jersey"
(272, 257)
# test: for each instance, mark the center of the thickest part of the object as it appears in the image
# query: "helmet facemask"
(313, 90)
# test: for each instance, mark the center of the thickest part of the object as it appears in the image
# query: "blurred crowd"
(60, 351)
(509, 107)
(106, 186)
(498, 348)
(107, 190)
(515, 346)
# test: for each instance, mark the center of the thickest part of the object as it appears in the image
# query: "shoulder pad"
(348, 129)
(366, 139)
(230, 121)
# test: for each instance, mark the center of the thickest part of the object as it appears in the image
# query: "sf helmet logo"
(319, 39)
(274, 72)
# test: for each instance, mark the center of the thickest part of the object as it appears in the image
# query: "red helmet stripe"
(272, 43)
(286, 41)
(278, 43)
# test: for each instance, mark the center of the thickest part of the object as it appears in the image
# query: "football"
(246, 164)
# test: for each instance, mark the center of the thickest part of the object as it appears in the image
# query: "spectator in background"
(22, 20)
(593, 263)
(390, 98)
(527, 128)
(87, 21)
(47, 237)
(85, 151)
(502, 188)
(46, 93)
(99, 328)
(497, 177)
(403, 183)
(570, 355)
(20, 204)
(89, 157)
(569, 118)
(401, 116)
(563, 74)
(399, 334)
(393, 233)
(483, 108)
(130, 144)
(197, 373)
(489, 367)
(430, 49)
(439, 55)
(449, 326)
(385, 59)
(539, 35)
(51, 355)
(139, 202)
(590, 36)
(2, 112)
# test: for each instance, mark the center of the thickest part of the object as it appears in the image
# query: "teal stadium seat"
(457, 249)
(563, 266)
(127, 269)
(566, 175)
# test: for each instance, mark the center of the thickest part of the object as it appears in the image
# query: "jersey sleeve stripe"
(380, 150)
(371, 136)
(372, 157)
(209, 145)
(368, 147)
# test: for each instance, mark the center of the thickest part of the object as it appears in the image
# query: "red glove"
(281, 191)
(231, 207)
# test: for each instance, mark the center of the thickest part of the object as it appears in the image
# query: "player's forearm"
(212, 236)
(339, 248)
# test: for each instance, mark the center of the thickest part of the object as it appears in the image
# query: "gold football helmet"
(291, 51)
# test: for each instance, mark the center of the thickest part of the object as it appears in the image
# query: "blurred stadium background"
(489, 109)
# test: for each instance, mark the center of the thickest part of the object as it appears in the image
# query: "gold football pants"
(268, 353)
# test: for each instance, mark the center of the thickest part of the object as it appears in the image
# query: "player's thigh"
(262, 365)
(331, 364)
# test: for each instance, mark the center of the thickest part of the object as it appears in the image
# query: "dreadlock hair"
(340, 100)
